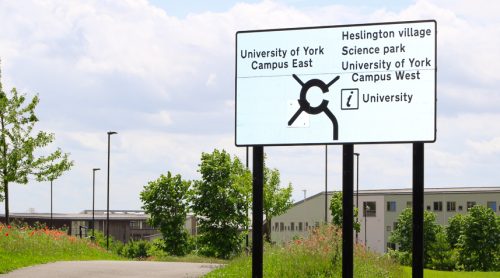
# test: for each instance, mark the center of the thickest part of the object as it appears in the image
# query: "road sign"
(368, 83)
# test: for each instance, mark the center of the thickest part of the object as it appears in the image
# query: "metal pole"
(326, 184)
(418, 210)
(51, 217)
(107, 206)
(357, 188)
(93, 200)
(257, 208)
(347, 204)
(246, 238)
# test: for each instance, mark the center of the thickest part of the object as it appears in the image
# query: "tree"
(220, 201)
(479, 243)
(337, 211)
(403, 234)
(276, 200)
(18, 145)
(454, 229)
(166, 202)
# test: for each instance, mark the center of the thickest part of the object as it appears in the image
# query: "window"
(470, 204)
(460, 208)
(451, 206)
(438, 206)
(276, 226)
(292, 226)
(394, 225)
(391, 206)
(300, 226)
(492, 205)
(307, 226)
(388, 228)
(391, 245)
(409, 204)
(370, 209)
(282, 227)
(316, 224)
(428, 207)
(135, 224)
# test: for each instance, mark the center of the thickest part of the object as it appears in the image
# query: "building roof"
(86, 215)
(408, 191)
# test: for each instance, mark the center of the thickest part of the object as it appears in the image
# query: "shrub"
(479, 243)
(136, 249)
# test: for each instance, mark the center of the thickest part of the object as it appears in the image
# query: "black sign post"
(347, 211)
(418, 210)
(257, 211)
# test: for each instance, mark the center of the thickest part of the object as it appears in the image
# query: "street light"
(357, 188)
(51, 218)
(93, 201)
(107, 210)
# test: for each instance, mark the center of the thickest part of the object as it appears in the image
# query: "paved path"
(108, 269)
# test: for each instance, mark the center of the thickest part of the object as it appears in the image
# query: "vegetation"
(18, 145)
(403, 235)
(219, 199)
(276, 200)
(479, 240)
(470, 242)
(166, 202)
(429, 273)
(337, 211)
(25, 246)
(319, 255)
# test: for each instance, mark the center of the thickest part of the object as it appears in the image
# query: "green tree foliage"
(479, 242)
(403, 234)
(277, 200)
(221, 200)
(442, 255)
(18, 143)
(166, 201)
(337, 212)
(454, 229)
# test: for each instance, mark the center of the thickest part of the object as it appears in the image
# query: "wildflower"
(8, 227)
(6, 234)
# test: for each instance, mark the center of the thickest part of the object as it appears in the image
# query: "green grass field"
(25, 246)
(428, 273)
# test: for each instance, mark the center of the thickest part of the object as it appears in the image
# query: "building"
(124, 225)
(383, 208)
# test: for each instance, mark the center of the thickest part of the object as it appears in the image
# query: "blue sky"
(161, 74)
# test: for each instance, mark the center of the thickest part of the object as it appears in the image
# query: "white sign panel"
(372, 83)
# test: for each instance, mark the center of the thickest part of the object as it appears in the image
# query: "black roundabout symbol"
(322, 107)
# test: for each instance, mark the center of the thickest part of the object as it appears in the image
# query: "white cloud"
(167, 85)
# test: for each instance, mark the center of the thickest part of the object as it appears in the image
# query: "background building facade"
(383, 208)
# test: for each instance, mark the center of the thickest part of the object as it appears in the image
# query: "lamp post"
(51, 217)
(357, 188)
(93, 201)
(107, 207)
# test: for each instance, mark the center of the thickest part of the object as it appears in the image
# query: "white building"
(384, 208)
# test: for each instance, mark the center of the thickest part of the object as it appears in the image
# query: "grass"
(428, 273)
(316, 256)
(25, 246)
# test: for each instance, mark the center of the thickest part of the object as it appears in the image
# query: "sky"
(161, 74)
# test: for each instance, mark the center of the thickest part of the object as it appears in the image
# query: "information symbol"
(350, 99)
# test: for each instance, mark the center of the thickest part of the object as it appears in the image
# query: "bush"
(479, 242)
(115, 246)
(136, 249)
